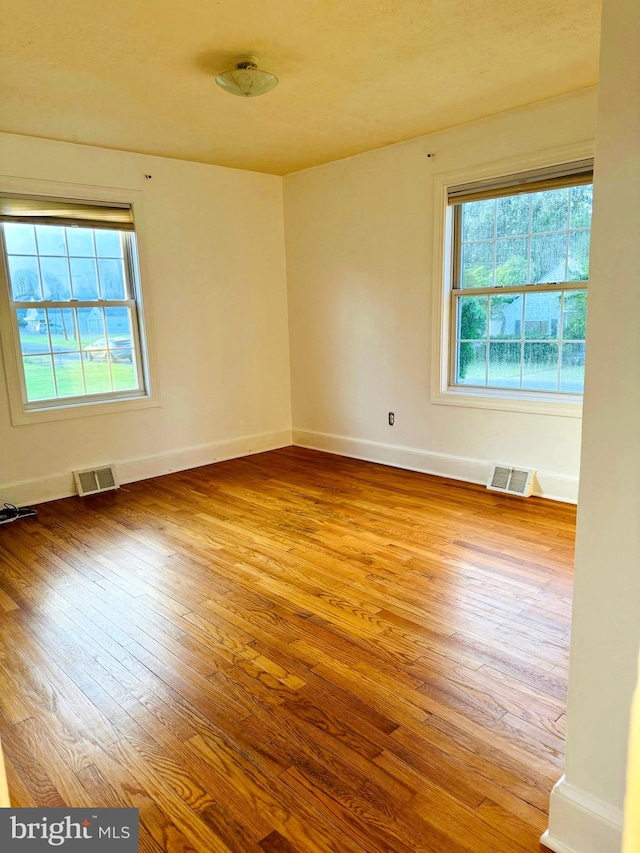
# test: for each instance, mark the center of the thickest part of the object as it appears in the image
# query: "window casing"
(517, 284)
(74, 304)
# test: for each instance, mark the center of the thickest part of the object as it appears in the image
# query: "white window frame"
(24, 413)
(443, 392)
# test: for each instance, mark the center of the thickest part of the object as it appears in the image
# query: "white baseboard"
(557, 487)
(553, 486)
(580, 823)
(130, 470)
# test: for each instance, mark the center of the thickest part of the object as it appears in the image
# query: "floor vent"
(95, 480)
(511, 481)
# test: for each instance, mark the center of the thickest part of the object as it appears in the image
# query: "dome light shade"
(247, 80)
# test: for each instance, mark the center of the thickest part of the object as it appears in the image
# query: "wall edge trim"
(581, 823)
(550, 485)
(130, 470)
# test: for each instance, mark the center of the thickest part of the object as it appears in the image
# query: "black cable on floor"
(11, 512)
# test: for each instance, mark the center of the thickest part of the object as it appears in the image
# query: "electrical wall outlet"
(392, 419)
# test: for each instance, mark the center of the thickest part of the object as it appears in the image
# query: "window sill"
(80, 410)
(538, 404)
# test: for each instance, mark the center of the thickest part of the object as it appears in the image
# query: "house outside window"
(72, 295)
(517, 284)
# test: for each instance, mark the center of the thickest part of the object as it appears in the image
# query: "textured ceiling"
(139, 75)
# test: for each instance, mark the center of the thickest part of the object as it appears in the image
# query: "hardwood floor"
(291, 652)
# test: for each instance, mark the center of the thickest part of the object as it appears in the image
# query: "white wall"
(213, 243)
(359, 265)
(585, 807)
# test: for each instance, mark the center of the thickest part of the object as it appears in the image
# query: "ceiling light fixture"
(246, 79)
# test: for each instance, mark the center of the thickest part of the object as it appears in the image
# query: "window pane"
(98, 376)
(25, 278)
(84, 278)
(579, 256)
(51, 240)
(80, 242)
(513, 215)
(19, 239)
(119, 329)
(548, 258)
(69, 375)
(91, 325)
(55, 279)
(111, 274)
(506, 317)
(581, 204)
(542, 316)
(124, 376)
(550, 211)
(63, 330)
(478, 220)
(38, 372)
(540, 367)
(118, 321)
(32, 325)
(572, 369)
(119, 335)
(574, 316)
(108, 243)
(477, 265)
(504, 365)
(472, 364)
(472, 317)
(512, 261)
